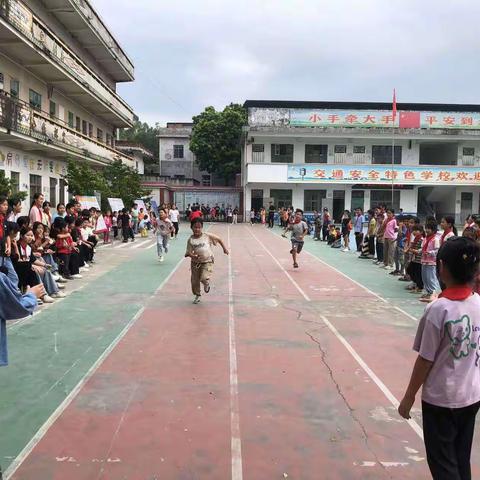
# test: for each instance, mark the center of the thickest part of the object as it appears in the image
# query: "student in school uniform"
(447, 367)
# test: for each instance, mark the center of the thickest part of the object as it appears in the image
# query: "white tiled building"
(59, 66)
(339, 155)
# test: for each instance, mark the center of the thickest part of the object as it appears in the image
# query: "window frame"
(388, 161)
(31, 99)
(179, 148)
(17, 92)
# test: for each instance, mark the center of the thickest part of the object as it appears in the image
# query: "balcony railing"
(19, 117)
(23, 20)
(258, 157)
(468, 161)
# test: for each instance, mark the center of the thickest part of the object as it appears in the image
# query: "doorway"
(338, 205)
(358, 199)
(257, 199)
(466, 205)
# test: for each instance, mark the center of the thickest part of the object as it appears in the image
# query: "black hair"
(299, 210)
(195, 221)
(461, 257)
(124, 210)
(23, 220)
(3, 199)
(60, 223)
(25, 229)
(432, 225)
(469, 232)
(418, 228)
(430, 219)
(11, 227)
(46, 203)
(79, 222)
(68, 206)
(36, 225)
(70, 220)
(451, 220)
(391, 210)
(371, 212)
(60, 205)
(416, 220)
(85, 213)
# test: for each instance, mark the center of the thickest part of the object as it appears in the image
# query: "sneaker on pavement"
(56, 276)
(48, 299)
(196, 299)
(60, 286)
(160, 259)
(61, 280)
(58, 295)
(206, 287)
(77, 275)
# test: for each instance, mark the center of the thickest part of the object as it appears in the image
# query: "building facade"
(59, 66)
(138, 152)
(344, 155)
(176, 161)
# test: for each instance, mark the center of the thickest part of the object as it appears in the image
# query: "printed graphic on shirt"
(460, 332)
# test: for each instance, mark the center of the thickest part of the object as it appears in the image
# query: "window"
(53, 191)
(258, 153)
(178, 151)
(378, 197)
(99, 135)
(62, 191)
(90, 130)
(77, 124)
(382, 155)
(258, 147)
(358, 197)
(53, 109)
(84, 127)
(281, 198)
(14, 88)
(109, 139)
(340, 149)
(206, 181)
(35, 185)
(316, 153)
(312, 199)
(468, 151)
(35, 99)
(359, 149)
(71, 119)
(282, 153)
(1, 81)
(15, 182)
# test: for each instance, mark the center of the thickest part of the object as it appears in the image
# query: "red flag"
(409, 120)
(394, 106)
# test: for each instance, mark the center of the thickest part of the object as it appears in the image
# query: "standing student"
(379, 234)
(399, 256)
(124, 220)
(174, 216)
(36, 212)
(252, 216)
(163, 230)
(372, 226)
(199, 249)
(430, 248)
(235, 215)
(447, 366)
(115, 225)
(326, 221)
(271, 215)
(414, 250)
(299, 229)
(390, 230)
(317, 222)
(134, 221)
(346, 229)
(358, 228)
(449, 230)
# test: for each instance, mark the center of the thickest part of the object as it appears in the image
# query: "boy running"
(299, 229)
(199, 249)
(163, 230)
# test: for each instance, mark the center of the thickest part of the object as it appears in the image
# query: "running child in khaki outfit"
(199, 249)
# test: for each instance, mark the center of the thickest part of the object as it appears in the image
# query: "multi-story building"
(138, 152)
(59, 66)
(344, 155)
(177, 163)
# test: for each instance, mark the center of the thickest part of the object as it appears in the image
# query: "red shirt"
(64, 245)
(195, 215)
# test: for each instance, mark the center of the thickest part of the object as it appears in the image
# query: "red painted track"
(159, 406)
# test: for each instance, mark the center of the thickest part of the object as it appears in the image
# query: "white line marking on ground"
(383, 388)
(142, 243)
(356, 283)
(236, 442)
(76, 390)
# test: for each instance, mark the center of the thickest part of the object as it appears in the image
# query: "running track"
(278, 373)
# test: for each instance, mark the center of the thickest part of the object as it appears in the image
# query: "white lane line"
(357, 283)
(76, 390)
(383, 388)
(236, 441)
(122, 245)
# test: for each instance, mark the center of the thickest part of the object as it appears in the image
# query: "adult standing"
(135, 218)
(36, 210)
(358, 228)
(326, 221)
(174, 216)
(271, 215)
(390, 230)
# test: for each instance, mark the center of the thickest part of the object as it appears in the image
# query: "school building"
(345, 155)
(59, 68)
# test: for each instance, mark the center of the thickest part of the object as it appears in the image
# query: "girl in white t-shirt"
(174, 216)
(448, 364)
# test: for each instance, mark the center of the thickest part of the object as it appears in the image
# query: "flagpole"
(394, 112)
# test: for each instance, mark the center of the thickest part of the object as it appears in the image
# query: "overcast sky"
(189, 54)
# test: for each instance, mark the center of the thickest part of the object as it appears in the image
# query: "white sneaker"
(58, 295)
(86, 266)
(160, 259)
(388, 267)
(47, 299)
(61, 280)
(60, 286)
(346, 250)
(56, 276)
(196, 299)
(77, 275)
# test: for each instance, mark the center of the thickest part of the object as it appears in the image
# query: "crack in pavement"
(345, 401)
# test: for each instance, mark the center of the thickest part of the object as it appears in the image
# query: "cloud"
(191, 54)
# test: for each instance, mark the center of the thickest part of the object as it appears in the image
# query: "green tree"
(216, 140)
(7, 189)
(83, 179)
(145, 135)
(123, 182)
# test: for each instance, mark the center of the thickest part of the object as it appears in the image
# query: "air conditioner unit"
(329, 193)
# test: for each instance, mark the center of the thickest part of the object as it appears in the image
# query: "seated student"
(64, 246)
(76, 262)
(414, 269)
(31, 270)
(89, 239)
(337, 243)
(6, 265)
(332, 235)
(84, 248)
(42, 247)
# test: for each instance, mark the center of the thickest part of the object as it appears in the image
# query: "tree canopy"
(145, 135)
(216, 140)
(7, 188)
(116, 180)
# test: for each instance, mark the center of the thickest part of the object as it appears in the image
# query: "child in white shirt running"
(163, 230)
